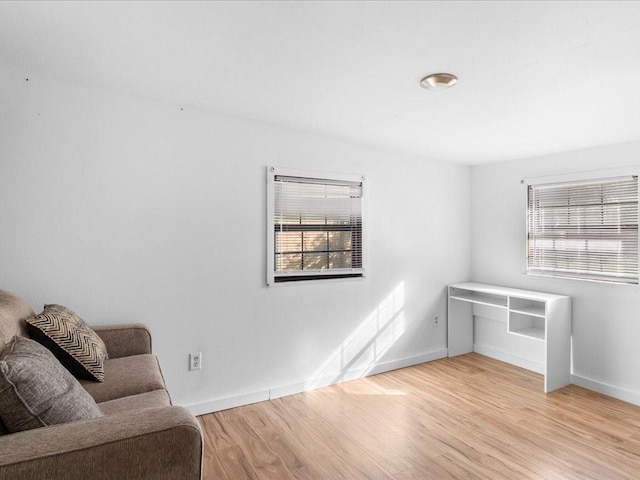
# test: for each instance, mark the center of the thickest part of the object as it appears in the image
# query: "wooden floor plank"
(467, 417)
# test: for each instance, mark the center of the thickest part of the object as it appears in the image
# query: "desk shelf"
(531, 332)
(527, 325)
(480, 298)
(533, 311)
(527, 306)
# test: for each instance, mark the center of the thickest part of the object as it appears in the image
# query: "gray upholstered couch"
(141, 436)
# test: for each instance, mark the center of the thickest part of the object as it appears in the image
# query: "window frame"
(577, 179)
(297, 278)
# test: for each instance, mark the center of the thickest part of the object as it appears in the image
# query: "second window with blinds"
(315, 225)
(584, 229)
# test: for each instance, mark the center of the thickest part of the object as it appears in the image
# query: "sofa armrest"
(125, 340)
(157, 443)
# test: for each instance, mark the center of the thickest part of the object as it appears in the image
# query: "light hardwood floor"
(468, 417)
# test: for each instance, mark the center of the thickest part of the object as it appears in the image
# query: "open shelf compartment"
(478, 297)
(531, 326)
(535, 308)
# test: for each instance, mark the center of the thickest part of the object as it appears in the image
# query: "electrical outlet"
(195, 361)
(436, 321)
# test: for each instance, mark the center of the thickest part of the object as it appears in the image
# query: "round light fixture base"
(438, 81)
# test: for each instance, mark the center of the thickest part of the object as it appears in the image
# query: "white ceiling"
(535, 77)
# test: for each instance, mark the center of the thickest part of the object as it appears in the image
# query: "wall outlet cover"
(195, 361)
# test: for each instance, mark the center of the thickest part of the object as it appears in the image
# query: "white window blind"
(586, 229)
(317, 228)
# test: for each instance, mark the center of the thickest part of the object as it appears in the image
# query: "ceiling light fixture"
(438, 81)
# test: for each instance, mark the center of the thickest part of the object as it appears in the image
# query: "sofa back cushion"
(37, 391)
(13, 311)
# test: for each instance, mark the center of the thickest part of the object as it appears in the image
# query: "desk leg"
(558, 346)
(460, 328)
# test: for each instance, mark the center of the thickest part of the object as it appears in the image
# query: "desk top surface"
(506, 291)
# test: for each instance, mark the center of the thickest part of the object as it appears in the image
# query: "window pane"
(340, 260)
(315, 241)
(288, 242)
(340, 240)
(290, 261)
(314, 261)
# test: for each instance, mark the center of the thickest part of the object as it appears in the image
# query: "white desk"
(534, 316)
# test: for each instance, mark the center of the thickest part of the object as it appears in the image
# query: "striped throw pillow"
(71, 340)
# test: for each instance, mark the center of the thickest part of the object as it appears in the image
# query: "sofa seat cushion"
(157, 398)
(126, 376)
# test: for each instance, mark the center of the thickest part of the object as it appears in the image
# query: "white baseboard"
(226, 403)
(326, 380)
(407, 362)
(605, 389)
(509, 358)
(311, 384)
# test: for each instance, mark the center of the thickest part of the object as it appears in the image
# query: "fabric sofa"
(140, 436)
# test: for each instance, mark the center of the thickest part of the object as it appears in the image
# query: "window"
(315, 226)
(584, 229)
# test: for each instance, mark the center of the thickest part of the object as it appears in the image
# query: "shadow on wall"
(358, 354)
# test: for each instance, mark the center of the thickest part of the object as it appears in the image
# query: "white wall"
(606, 318)
(119, 207)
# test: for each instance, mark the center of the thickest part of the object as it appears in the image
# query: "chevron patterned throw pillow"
(71, 340)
